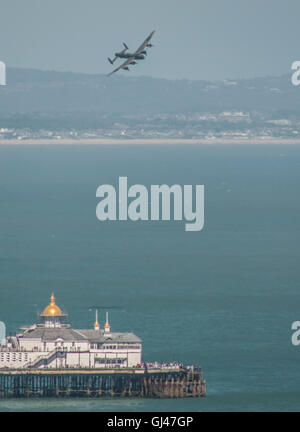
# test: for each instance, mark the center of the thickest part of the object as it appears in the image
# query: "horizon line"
(143, 76)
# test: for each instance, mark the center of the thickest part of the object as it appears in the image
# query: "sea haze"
(224, 297)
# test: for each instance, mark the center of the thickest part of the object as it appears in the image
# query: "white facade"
(53, 344)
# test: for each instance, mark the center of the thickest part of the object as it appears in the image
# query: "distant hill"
(53, 93)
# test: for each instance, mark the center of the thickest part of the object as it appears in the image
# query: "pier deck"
(147, 383)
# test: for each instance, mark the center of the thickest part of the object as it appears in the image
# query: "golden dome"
(52, 310)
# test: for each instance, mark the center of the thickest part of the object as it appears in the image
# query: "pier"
(152, 383)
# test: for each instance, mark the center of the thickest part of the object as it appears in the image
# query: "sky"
(194, 39)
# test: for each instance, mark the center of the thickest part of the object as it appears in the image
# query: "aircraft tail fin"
(110, 61)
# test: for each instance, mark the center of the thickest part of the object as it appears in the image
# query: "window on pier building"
(110, 360)
(96, 346)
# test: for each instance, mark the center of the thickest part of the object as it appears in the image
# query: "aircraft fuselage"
(128, 55)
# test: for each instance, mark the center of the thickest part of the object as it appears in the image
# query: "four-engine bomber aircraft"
(139, 54)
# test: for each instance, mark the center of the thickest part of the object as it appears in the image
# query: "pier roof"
(48, 334)
(99, 336)
(72, 335)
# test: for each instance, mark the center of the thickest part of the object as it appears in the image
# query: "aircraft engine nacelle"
(139, 57)
(126, 68)
(133, 62)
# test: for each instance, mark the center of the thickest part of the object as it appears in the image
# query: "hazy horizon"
(124, 75)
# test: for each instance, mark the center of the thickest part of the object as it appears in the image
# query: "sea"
(224, 297)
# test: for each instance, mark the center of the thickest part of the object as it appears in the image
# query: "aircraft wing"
(146, 41)
(122, 66)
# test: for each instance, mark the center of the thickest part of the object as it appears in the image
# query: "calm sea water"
(224, 297)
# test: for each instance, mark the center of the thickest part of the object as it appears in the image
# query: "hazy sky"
(195, 39)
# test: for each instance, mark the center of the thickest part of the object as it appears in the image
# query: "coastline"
(150, 141)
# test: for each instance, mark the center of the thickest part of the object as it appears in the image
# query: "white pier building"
(53, 344)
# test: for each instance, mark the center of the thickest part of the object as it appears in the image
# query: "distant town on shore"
(42, 105)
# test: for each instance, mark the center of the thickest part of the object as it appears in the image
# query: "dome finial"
(96, 324)
(107, 326)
